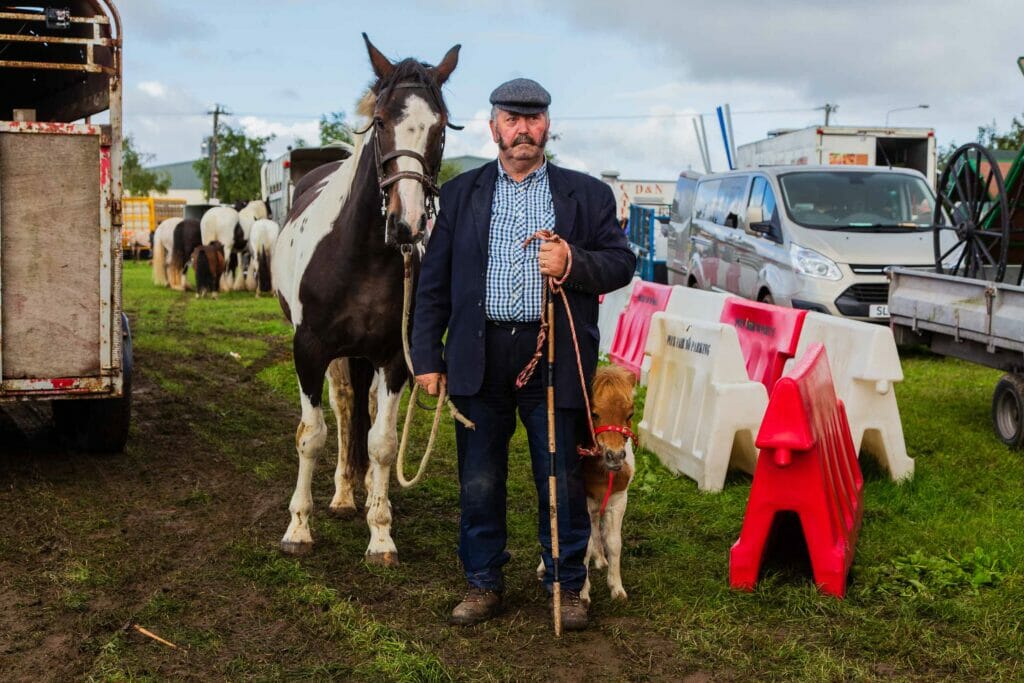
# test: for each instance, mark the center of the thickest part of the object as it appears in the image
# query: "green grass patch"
(385, 654)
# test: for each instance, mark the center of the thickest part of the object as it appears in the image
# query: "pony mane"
(614, 379)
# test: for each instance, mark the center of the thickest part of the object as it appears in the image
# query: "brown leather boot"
(477, 605)
(574, 611)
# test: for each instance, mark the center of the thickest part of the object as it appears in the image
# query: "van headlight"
(811, 263)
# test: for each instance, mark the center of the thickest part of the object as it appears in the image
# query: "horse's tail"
(159, 262)
(263, 269)
(179, 257)
(361, 376)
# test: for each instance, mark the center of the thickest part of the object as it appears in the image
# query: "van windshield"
(851, 201)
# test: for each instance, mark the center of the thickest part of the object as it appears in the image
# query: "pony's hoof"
(342, 512)
(296, 547)
(619, 595)
(382, 559)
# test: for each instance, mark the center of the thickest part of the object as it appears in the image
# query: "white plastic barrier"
(608, 312)
(696, 304)
(865, 365)
(702, 411)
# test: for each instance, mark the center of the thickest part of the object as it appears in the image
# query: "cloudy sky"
(626, 77)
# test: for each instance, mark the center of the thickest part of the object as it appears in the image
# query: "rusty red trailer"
(63, 336)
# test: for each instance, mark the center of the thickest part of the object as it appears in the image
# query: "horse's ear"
(447, 65)
(382, 66)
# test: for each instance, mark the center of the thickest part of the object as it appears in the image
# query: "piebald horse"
(163, 246)
(262, 238)
(338, 272)
(231, 227)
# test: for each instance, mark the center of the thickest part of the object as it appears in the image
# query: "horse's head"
(612, 408)
(409, 120)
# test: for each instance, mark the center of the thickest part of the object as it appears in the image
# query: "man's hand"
(432, 382)
(554, 256)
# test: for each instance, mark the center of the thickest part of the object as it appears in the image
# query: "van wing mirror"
(755, 214)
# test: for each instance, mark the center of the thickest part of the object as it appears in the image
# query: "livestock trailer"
(844, 146)
(63, 336)
(279, 176)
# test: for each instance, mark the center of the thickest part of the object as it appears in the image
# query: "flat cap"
(521, 96)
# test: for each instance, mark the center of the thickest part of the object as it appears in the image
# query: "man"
(480, 284)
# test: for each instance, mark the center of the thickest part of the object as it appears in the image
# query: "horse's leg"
(611, 533)
(309, 439)
(225, 277)
(383, 447)
(238, 277)
(594, 508)
(340, 392)
(596, 547)
(368, 477)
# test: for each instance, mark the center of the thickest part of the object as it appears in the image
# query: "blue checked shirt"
(514, 281)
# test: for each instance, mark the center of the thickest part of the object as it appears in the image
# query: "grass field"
(180, 536)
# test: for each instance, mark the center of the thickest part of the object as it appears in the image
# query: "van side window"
(704, 203)
(682, 203)
(730, 198)
(761, 195)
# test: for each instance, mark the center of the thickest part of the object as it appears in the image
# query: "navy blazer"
(453, 278)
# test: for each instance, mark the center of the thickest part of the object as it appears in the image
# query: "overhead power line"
(556, 117)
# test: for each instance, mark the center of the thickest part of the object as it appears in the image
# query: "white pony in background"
(261, 250)
(163, 244)
(231, 228)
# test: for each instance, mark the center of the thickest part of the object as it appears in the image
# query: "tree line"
(239, 157)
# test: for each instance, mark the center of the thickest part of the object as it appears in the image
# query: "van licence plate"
(878, 311)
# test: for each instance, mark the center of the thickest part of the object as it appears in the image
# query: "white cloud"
(255, 126)
(153, 89)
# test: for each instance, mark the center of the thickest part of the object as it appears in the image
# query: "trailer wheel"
(100, 425)
(1008, 410)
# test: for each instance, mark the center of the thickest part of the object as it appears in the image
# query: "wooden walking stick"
(556, 587)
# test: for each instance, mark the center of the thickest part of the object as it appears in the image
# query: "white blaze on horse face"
(412, 131)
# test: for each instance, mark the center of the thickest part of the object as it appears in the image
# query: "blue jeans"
(483, 466)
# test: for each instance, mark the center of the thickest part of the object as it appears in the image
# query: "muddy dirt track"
(179, 535)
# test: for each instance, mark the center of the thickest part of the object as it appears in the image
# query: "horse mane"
(613, 379)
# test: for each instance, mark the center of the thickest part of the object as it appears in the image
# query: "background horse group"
(245, 235)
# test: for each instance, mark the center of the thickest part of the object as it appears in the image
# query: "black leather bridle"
(428, 177)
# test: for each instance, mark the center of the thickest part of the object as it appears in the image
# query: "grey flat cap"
(521, 96)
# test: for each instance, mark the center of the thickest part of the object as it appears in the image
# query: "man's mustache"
(523, 139)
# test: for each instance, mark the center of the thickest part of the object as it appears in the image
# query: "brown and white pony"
(608, 472)
(208, 265)
(338, 273)
(608, 469)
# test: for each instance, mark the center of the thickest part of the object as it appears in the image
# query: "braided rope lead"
(555, 287)
(442, 398)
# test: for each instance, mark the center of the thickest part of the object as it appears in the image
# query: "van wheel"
(766, 297)
(1008, 410)
(100, 425)
(692, 283)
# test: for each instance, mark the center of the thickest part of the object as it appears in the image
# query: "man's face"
(520, 137)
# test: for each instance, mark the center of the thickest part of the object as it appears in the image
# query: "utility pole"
(829, 108)
(217, 111)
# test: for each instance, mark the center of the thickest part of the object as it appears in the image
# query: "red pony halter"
(626, 432)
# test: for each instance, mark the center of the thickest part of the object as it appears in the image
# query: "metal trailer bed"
(63, 336)
(972, 319)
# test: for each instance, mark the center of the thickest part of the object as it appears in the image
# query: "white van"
(812, 237)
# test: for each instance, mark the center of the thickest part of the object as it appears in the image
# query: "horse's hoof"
(342, 512)
(619, 595)
(296, 547)
(382, 559)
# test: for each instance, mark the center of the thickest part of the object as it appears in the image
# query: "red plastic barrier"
(631, 331)
(807, 465)
(768, 336)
